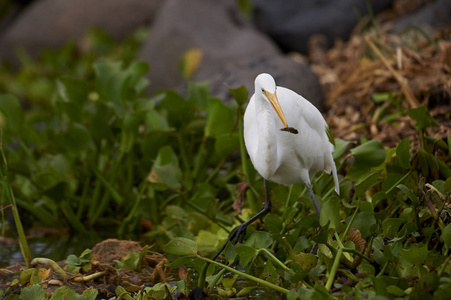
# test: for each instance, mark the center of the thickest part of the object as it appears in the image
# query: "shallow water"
(55, 247)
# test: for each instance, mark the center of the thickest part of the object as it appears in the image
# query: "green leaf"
(391, 227)
(367, 181)
(35, 292)
(340, 147)
(403, 153)
(11, 113)
(63, 292)
(273, 223)
(239, 94)
(364, 222)
(181, 246)
(166, 169)
(446, 235)
(75, 140)
(416, 254)
(423, 117)
(220, 118)
(246, 254)
(259, 239)
(330, 211)
(368, 155)
(409, 193)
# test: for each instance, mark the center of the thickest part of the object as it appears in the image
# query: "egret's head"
(265, 86)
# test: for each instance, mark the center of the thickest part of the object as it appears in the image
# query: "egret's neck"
(267, 138)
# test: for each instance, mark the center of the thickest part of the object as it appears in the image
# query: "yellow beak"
(275, 104)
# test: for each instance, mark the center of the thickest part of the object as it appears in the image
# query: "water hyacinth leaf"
(179, 111)
(11, 113)
(446, 235)
(367, 181)
(273, 223)
(75, 140)
(330, 212)
(364, 222)
(35, 292)
(391, 227)
(423, 117)
(199, 94)
(416, 254)
(340, 148)
(109, 80)
(409, 193)
(73, 94)
(367, 155)
(259, 239)
(240, 94)
(403, 153)
(226, 144)
(220, 118)
(166, 169)
(181, 246)
(246, 253)
(136, 72)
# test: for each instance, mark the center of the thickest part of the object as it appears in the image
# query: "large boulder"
(51, 23)
(430, 17)
(234, 53)
(292, 23)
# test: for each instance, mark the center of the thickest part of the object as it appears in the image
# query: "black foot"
(314, 249)
(237, 236)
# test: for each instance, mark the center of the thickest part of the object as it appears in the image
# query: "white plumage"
(281, 156)
(285, 136)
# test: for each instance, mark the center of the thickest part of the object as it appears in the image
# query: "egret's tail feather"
(337, 185)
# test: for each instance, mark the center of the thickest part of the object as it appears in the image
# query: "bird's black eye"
(263, 90)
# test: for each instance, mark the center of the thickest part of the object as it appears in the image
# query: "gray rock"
(429, 18)
(51, 23)
(234, 53)
(292, 23)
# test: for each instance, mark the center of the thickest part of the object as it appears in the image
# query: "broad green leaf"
(409, 193)
(35, 292)
(75, 140)
(340, 147)
(368, 181)
(246, 254)
(240, 94)
(179, 111)
(11, 113)
(63, 292)
(368, 155)
(220, 118)
(403, 153)
(199, 94)
(73, 94)
(365, 223)
(273, 223)
(416, 254)
(391, 227)
(181, 246)
(446, 235)
(259, 239)
(166, 169)
(330, 212)
(226, 144)
(423, 117)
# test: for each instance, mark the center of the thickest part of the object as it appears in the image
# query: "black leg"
(239, 233)
(317, 210)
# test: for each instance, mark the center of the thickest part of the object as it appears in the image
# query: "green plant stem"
(132, 212)
(333, 271)
(247, 276)
(267, 252)
(244, 163)
(353, 251)
(12, 201)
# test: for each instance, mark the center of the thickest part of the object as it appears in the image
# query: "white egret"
(283, 154)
